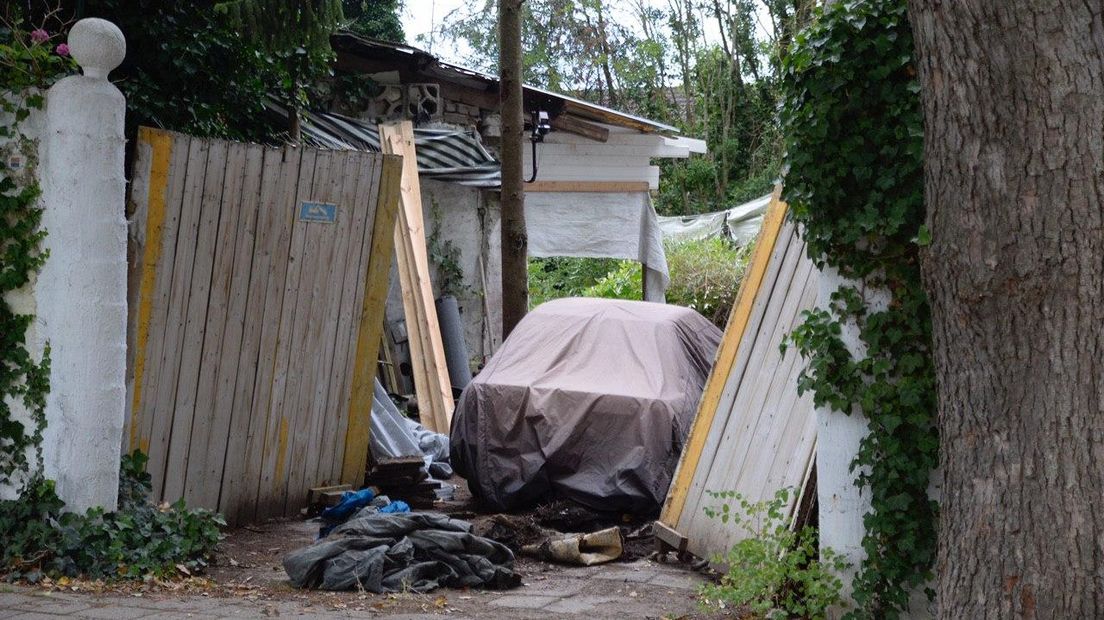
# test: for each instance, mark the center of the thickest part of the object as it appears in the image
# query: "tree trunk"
(1013, 97)
(515, 243)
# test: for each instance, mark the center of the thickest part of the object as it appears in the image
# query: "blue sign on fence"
(317, 212)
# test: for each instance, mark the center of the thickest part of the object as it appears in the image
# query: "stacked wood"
(404, 478)
(427, 351)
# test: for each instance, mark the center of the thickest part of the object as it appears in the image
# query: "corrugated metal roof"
(428, 64)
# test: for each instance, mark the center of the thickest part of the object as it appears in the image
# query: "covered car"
(589, 400)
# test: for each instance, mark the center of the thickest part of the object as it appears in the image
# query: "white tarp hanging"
(742, 223)
(599, 225)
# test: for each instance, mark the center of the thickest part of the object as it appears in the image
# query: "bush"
(137, 540)
(625, 281)
(563, 276)
(775, 572)
(706, 275)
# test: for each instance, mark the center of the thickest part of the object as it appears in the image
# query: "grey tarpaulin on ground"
(742, 223)
(400, 552)
(589, 400)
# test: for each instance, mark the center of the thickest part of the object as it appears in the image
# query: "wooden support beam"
(610, 187)
(579, 127)
(427, 351)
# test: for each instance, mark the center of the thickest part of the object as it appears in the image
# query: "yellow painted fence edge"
(161, 149)
(370, 333)
(726, 357)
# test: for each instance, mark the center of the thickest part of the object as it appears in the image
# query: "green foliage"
(625, 281)
(137, 540)
(706, 276)
(445, 257)
(658, 63)
(851, 117)
(375, 19)
(29, 63)
(775, 572)
(556, 277)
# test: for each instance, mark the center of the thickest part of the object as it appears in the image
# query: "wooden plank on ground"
(436, 393)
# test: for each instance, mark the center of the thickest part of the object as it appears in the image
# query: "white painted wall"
(81, 290)
(842, 504)
(470, 220)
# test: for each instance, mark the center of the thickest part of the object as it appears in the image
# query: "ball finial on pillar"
(97, 45)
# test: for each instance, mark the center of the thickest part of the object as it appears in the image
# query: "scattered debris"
(582, 549)
(406, 478)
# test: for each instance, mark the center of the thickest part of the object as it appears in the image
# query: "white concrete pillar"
(81, 290)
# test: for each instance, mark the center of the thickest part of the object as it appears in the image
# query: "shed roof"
(360, 54)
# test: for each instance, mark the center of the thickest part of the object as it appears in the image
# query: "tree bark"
(515, 243)
(1013, 98)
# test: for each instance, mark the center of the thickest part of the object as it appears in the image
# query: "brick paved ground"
(640, 589)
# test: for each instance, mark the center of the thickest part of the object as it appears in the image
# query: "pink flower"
(40, 36)
(62, 50)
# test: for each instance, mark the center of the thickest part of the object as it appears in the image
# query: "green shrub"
(775, 572)
(706, 275)
(624, 281)
(138, 539)
(564, 276)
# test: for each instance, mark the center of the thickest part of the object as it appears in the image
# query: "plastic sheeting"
(740, 223)
(393, 435)
(589, 400)
(599, 225)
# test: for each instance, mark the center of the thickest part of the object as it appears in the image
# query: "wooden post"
(515, 244)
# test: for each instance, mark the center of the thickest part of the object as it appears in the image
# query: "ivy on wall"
(852, 124)
(29, 63)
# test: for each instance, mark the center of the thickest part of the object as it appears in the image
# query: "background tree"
(1013, 103)
(653, 60)
(188, 68)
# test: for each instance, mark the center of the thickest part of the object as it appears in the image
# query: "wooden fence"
(258, 277)
(753, 433)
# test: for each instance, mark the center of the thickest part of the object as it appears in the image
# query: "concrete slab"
(524, 601)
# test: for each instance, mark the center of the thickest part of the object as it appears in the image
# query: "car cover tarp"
(589, 400)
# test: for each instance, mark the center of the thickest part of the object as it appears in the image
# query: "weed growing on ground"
(775, 571)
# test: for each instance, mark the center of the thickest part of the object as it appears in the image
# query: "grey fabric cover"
(393, 435)
(402, 551)
(589, 400)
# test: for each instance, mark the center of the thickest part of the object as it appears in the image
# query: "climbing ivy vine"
(852, 125)
(29, 63)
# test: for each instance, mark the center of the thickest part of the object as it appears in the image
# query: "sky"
(420, 17)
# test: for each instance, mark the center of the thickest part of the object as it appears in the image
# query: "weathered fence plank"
(250, 304)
